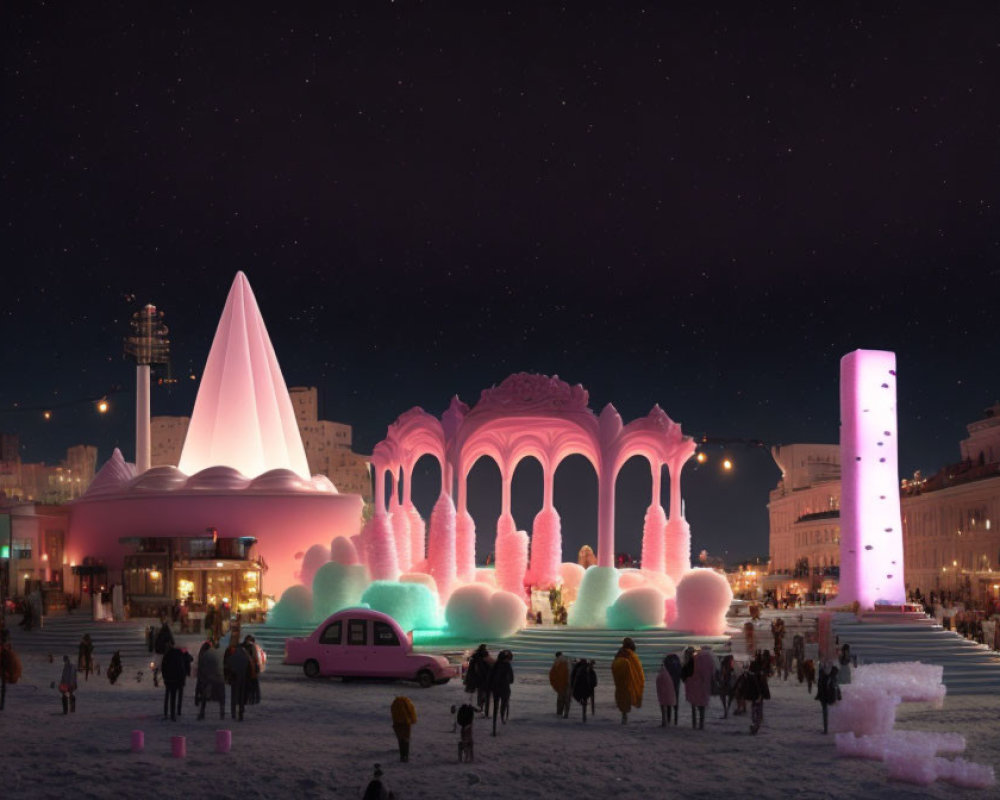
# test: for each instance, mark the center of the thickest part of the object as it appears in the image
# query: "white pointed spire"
(243, 417)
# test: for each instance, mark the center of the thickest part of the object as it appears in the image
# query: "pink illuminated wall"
(871, 536)
(243, 417)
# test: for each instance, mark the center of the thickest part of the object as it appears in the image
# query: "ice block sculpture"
(911, 680)
(864, 710)
(871, 535)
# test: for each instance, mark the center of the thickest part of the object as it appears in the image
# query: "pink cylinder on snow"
(138, 741)
(223, 741)
(178, 746)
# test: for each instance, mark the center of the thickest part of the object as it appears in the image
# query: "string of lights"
(101, 403)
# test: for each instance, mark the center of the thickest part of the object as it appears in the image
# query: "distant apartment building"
(804, 508)
(327, 444)
(46, 483)
(951, 520)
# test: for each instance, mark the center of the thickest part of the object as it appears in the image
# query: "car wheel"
(425, 678)
(311, 668)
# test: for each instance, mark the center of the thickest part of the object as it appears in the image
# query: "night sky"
(701, 208)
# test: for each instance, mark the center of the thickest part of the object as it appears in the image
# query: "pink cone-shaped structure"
(465, 546)
(512, 560)
(654, 538)
(441, 546)
(546, 548)
(381, 546)
(243, 417)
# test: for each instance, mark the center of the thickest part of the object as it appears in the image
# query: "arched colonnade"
(526, 415)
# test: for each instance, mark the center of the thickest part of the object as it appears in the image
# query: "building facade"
(804, 509)
(50, 484)
(951, 520)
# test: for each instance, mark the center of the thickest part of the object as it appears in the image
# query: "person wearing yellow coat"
(403, 716)
(630, 680)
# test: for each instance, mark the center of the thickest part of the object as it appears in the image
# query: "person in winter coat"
(757, 692)
(67, 686)
(630, 680)
(172, 668)
(115, 667)
(559, 681)
(85, 656)
(211, 686)
(404, 715)
(698, 685)
(799, 655)
(673, 665)
(827, 690)
(583, 683)
(666, 694)
(376, 789)
(476, 677)
(10, 666)
(164, 637)
(188, 661)
(809, 673)
(236, 666)
(498, 685)
(253, 683)
(844, 662)
(724, 681)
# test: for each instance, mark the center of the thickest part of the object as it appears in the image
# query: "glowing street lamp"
(727, 464)
(103, 405)
(46, 415)
(701, 458)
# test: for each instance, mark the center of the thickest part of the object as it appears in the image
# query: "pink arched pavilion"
(526, 415)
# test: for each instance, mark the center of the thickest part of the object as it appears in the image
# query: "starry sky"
(699, 207)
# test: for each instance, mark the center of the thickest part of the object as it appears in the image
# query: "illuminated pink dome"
(218, 478)
(159, 479)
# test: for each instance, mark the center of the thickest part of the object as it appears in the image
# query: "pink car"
(359, 642)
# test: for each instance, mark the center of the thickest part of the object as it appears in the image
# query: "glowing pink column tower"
(871, 533)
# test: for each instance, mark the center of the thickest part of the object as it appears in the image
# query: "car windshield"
(331, 634)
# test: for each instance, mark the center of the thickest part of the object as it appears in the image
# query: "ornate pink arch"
(526, 415)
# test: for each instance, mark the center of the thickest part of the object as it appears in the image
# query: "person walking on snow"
(85, 656)
(67, 686)
(404, 716)
(630, 680)
(498, 685)
(827, 690)
(172, 668)
(211, 685)
(666, 694)
(559, 681)
(698, 684)
(583, 683)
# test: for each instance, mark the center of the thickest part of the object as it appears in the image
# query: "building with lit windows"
(951, 520)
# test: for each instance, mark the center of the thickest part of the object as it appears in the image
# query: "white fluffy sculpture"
(315, 557)
(913, 681)
(638, 608)
(864, 710)
(478, 611)
(413, 605)
(598, 591)
(571, 574)
(703, 598)
(343, 551)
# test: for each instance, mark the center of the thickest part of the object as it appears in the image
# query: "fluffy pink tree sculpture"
(512, 560)
(359, 548)
(546, 549)
(418, 535)
(465, 546)
(401, 535)
(678, 554)
(654, 538)
(441, 546)
(703, 598)
(381, 546)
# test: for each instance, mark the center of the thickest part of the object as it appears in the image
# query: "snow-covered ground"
(321, 738)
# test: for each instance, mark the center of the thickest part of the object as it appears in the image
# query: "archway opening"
(484, 499)
(633, 489)
(526, 492)
(575, 498)
(425, 484)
